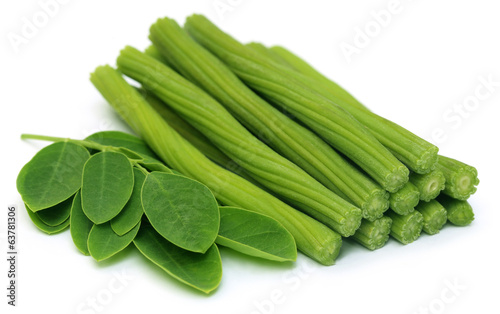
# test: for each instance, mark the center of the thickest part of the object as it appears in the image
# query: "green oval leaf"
(80, 225)
(108, 181)
(182, 210)
(200, 271)
(130, 153)
(43, 226)
(131, 146)
(104, 242)
(121, 139)
(56, 215)
(52, 175)
(176, 172)
(131, 214)
(155, 165)
(255, 234)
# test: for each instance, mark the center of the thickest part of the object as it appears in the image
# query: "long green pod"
(416, 153)
(187, 131)
(270, 54)
(266, 166)
(152, 51)
(286, 57)
(287, 137)
(461, 179)
(195, 137)
(313, 238)
(328, 120)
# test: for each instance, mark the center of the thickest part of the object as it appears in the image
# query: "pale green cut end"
(435, 223)
(459, 212)
(380, 233)
(397, 179)
(330, 249)
(374, 234)
(463, 184)
(406, 228)
(461, 179)
(404, 201)
(412, 229)
(432, 188)
(461, 216)
(434, 214)
(428, 161)
(350, 223)
(429, 184)
(376, 204)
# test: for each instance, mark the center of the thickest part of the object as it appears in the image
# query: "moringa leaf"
(155, 165)
(182, 210)
(130, 153)
(103, 242)
(131, 146)
(52, 175)
(121, 139)
(200, 271)
(57, 214)
(80, 225)
(43, 226)
(131, 214)
(176, 172)
(108, 181)
(255, 234)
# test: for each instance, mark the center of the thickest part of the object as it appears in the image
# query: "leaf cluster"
(111, 190)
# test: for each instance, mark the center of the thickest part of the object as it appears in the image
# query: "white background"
(424, 62)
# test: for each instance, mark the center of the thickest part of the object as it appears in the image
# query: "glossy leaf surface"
(182, 210)
(200, 271)
(103, 242)
(131, 214)
(255, 234)
(57, 214)
(108, 181)
(52, 175)
(80, 225)
(43, 226)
